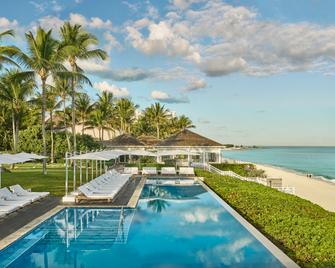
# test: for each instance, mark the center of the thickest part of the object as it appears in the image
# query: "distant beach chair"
(130, 170)
(188, 171)
(168, 171)
(149, 171)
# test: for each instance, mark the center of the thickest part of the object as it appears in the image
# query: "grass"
(303, 230)
(30, 176)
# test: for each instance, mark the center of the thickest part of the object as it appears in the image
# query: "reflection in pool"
(172, 226)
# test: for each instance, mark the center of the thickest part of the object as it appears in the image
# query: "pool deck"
(24, 220)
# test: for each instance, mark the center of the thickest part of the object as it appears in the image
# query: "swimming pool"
(172, 226)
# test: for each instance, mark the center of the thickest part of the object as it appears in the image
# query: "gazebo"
(209, 150)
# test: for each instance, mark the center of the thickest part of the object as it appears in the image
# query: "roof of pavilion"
(187, 138)
(123, 140)
(148, 140)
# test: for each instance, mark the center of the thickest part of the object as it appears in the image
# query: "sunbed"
(189, 171)
(149, 171)
(168, 171)
(9, 196)
(130, 170)
(19, 191)
(8, 206)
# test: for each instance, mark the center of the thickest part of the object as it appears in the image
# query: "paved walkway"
(14, 221)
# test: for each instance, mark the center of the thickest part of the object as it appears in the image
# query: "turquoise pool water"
(172, 226)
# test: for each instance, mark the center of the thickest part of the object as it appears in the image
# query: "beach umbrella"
(32, 156)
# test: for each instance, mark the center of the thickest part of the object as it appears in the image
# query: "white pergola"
(100, 157)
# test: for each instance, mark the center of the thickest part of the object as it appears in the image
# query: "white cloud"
(118, 92)
(196, 84)
(164, 97)
(221, 39)
(202, 215)
(112, 42)
(94, 22)
(6, 24)
(40, 7)
(162, 39)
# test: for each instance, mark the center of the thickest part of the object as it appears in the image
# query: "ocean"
(319, 161)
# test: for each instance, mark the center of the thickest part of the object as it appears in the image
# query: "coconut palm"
(158, 115)
(7, 52)
(84, 108)
(14, 90)
(98, 119)
(62, 88)
(75, 45)
(125, 114)
(44, 59)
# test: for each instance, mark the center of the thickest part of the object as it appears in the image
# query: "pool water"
(172, 226)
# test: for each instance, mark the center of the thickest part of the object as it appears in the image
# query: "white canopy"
(110, 154)
(176, 152)
(31, 155)
(13, 158)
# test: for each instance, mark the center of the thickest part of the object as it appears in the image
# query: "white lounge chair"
(130, 170)
(189, 171)
(9, 196)
(149, 171)
(19, 191)
(7, 207)
(168, 171)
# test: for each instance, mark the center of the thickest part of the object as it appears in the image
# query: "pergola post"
(66, 174)
(92, 169)
(86, 170)
(74, 173)
(220, 157)
(81, 171)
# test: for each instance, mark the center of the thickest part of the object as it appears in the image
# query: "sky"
(249, 72)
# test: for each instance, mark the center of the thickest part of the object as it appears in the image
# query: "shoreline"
(317, 190)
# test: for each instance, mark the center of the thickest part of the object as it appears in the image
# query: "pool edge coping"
(275, 251)
(8, 240)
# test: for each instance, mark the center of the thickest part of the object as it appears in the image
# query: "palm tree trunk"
(82, 125)
(65, 127)
(17, 134)
(73, 110)
(43, 125)
(157, 130)
(14, 128)
(52, 157)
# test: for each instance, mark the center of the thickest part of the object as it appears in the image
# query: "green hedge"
(303, 230)
(245, 170)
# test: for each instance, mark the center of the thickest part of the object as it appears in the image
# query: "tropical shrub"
(245, 170)
(303, 230)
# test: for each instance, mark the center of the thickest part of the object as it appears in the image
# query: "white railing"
(263, 181)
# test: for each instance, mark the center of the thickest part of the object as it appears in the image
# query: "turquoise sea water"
(172, 226)
(319, 161)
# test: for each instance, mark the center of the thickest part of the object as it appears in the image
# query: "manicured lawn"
(303, 230)
(30, 176)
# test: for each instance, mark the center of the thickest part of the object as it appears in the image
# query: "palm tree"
(125, 113)
(52, 104)
(14, 90)
(158, 115)
(75, 45)
(44, 60)
(7, 52)
(84, 108)
(98, 119)
(62, 88)
(183, 122)
(105, 105)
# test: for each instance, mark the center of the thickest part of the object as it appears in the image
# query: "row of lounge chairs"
(17, 198)
(104, 187)
(185, 171)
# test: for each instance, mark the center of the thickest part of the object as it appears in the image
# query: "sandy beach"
(315, 190)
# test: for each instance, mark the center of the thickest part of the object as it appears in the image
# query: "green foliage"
(30, 140)
(303, 230)
(245, 170)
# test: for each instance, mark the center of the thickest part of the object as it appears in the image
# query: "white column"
(74, 174)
